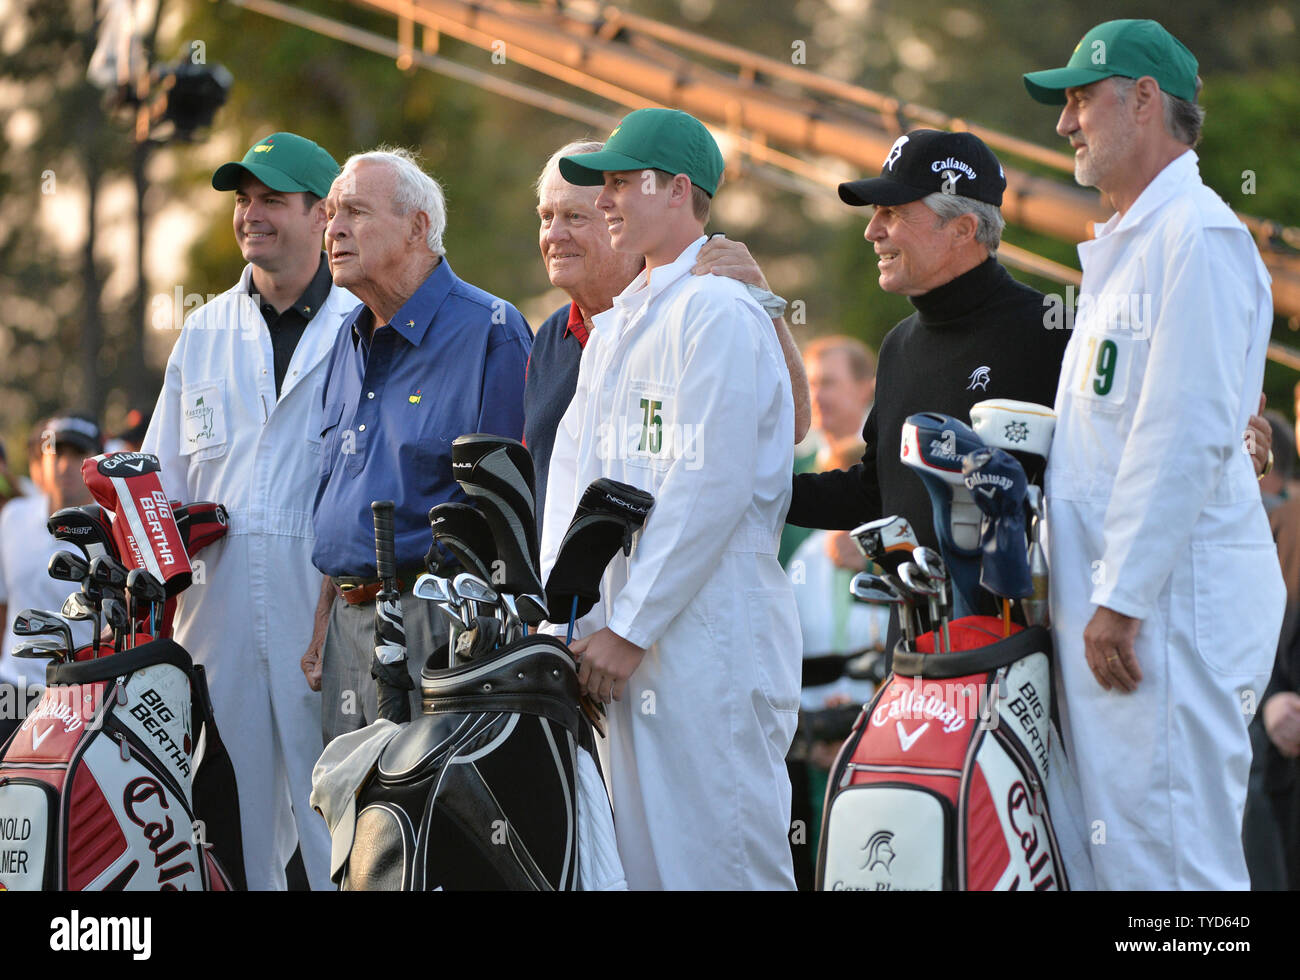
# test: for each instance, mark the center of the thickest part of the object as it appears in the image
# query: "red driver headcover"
(145, 530)
(201, 522)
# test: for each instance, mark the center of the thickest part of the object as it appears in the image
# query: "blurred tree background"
(68, 330)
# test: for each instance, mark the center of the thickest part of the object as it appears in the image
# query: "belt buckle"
(345, 585)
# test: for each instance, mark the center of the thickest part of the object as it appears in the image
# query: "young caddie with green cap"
(238, 422)
(683, 392)
(1167, 597)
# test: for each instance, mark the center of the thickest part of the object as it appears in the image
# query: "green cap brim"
(1049, 86)
(228, 175)
(591, 171)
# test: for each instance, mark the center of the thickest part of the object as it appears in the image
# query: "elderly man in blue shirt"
(426, 358)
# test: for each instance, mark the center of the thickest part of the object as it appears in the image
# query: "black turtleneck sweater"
(979, 336)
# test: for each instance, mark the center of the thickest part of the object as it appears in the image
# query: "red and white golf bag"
(118, 779)
(97, 786)
(942, 783)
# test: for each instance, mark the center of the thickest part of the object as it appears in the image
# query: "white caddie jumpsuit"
(683, 392)
(1154, 511)
(220, 434)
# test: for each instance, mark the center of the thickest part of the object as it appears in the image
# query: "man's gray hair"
(413, 189)
(1183, 119)
(567, 150)
(988, 230)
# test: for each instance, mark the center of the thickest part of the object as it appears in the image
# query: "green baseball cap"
(1131, 48)
(657, 139)
(283, 162)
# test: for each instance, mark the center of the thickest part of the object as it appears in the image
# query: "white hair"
(567, 150)
(988, 231)
(413, 189)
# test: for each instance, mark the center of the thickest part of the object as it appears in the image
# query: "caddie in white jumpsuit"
(222, 434)
(1154, 511)
(683, 392)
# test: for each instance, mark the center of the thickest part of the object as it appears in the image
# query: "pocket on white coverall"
(1228, 587)
(203, 420)
(769, 612)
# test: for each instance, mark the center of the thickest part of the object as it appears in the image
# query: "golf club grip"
(385, 550)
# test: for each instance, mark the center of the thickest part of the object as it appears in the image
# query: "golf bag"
(481, 790)
(118, 781)
(942, 783)
(495, 784)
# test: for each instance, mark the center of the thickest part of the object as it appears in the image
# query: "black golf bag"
(942, 783)
(478, 792)
(486, 788)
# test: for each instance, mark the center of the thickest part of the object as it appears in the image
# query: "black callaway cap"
(928, 161)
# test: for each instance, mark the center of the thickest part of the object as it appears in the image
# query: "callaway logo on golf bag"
(941, 785)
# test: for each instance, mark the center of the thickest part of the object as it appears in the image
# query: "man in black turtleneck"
(976, 332)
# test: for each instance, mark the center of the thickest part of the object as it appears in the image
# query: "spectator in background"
(842, 384)
(55, 451)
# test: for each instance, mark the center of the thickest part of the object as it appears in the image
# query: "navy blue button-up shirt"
(451, 362)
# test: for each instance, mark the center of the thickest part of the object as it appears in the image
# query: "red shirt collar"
(575, 325)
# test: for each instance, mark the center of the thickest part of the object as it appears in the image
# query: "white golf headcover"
(1023, 427)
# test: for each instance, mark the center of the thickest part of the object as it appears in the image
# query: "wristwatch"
(1268, 467)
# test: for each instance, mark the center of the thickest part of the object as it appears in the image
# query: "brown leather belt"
(359, 591)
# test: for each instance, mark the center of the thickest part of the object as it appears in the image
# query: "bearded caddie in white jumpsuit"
(1154, 511)
(683, 392)
(222, 434)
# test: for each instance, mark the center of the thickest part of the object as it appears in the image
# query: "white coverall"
(683, 392)
(220, 434)
(1154, 512)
